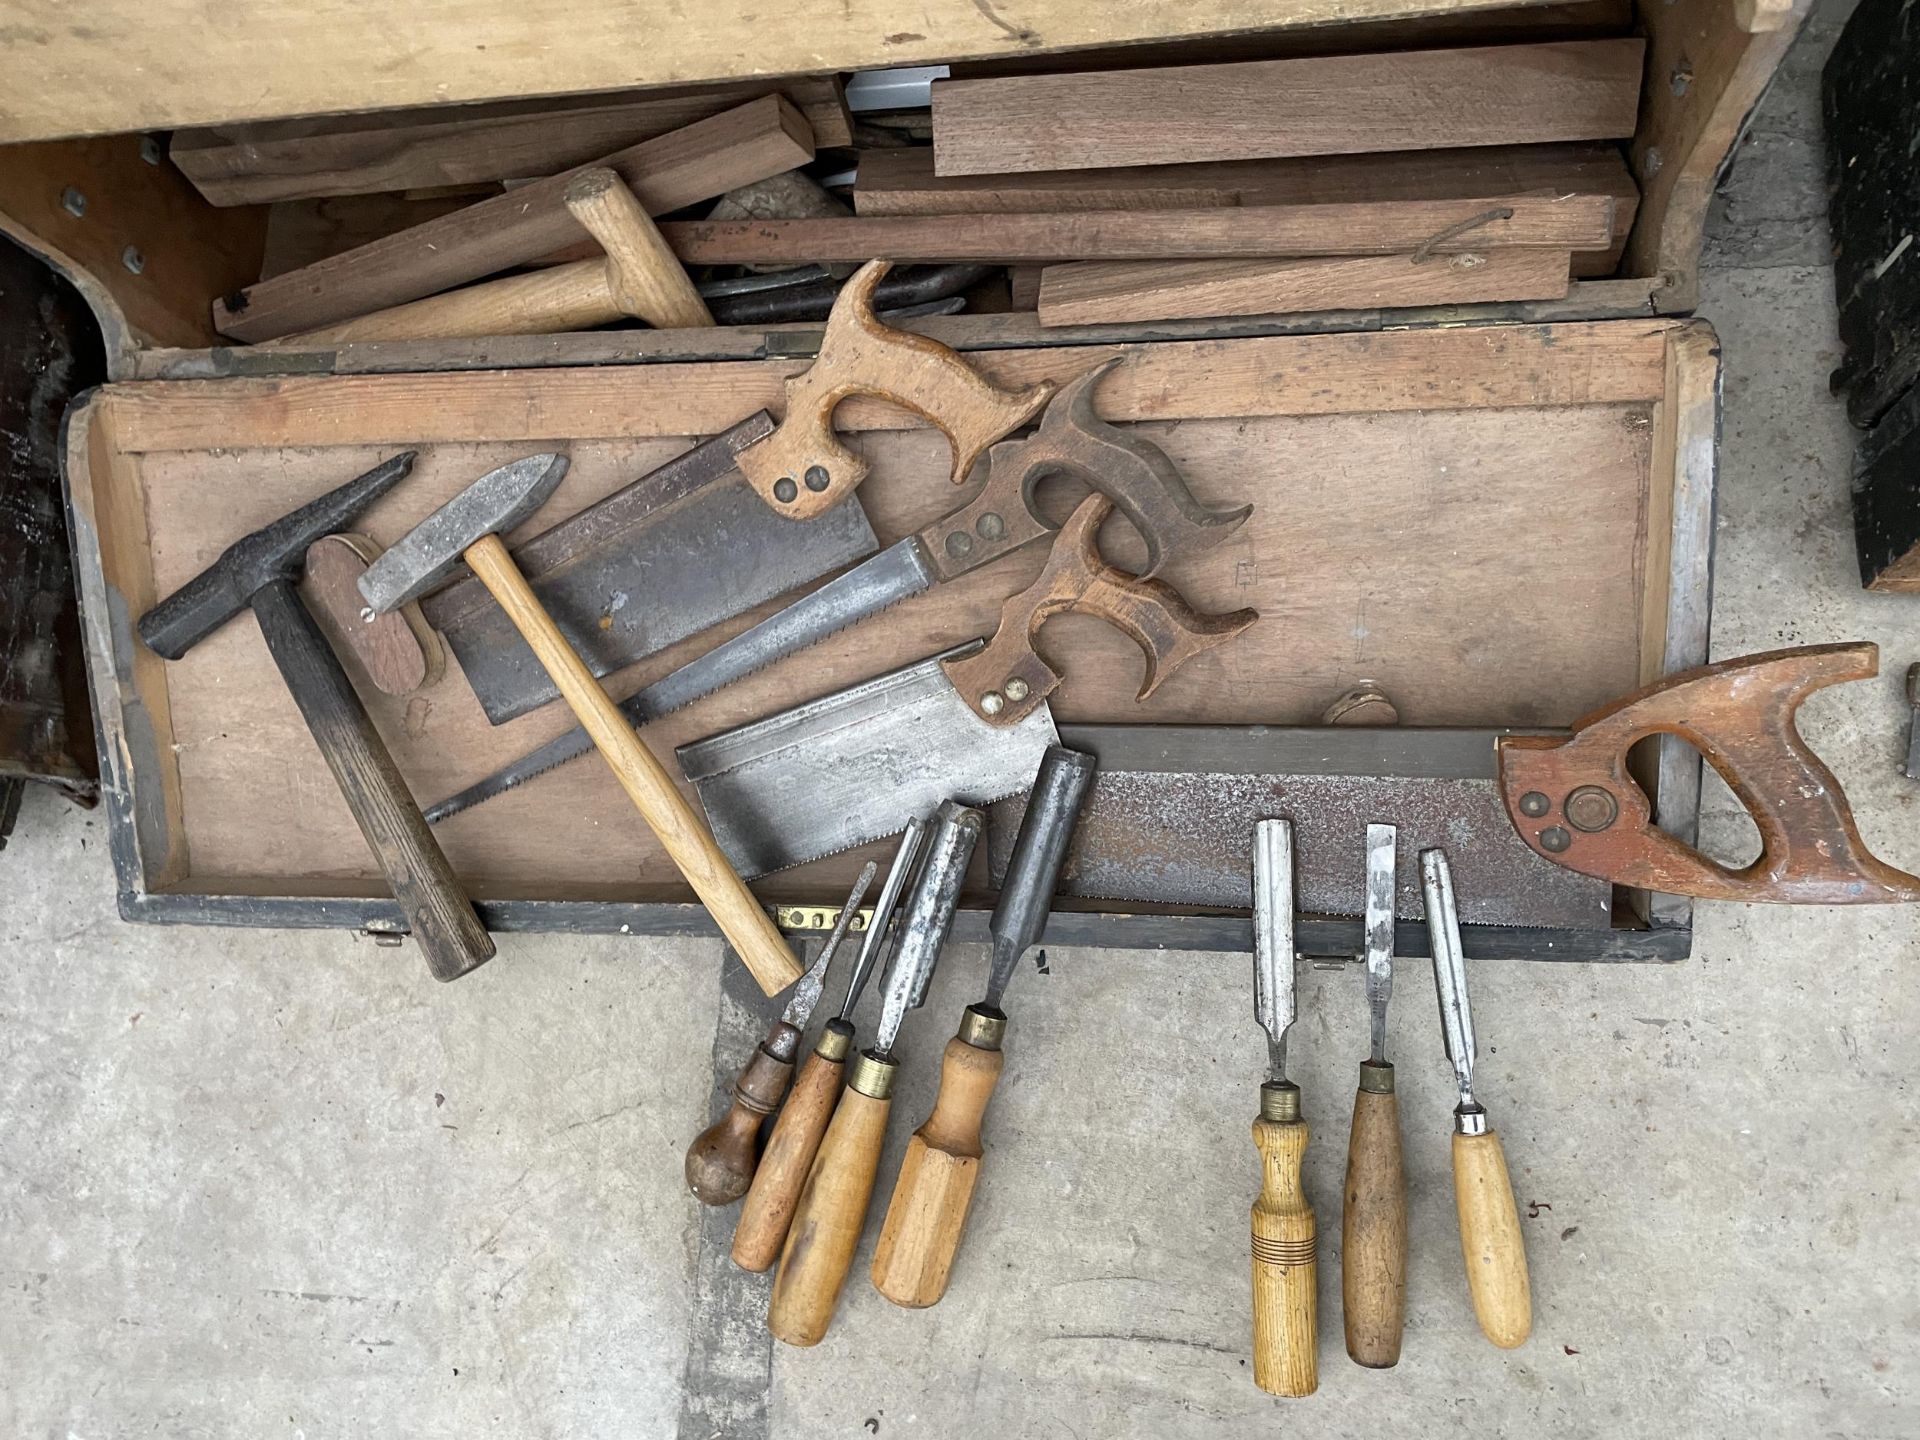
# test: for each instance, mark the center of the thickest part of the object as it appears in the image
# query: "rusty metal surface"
(50, 350)
(1171, 818)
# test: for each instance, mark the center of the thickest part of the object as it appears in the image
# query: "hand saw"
(1002, 516)
(970, 723)
(738, 520)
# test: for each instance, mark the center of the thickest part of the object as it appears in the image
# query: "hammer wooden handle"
(438, 913)
(681, 832)
(765, 1218)
(931, 1199)
(1286, 1269)
(1490, 1240)
(828, 1221)
(721, 1159)
(1373, 1225)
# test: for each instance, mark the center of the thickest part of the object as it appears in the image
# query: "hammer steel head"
(251, 563)
(432, 550)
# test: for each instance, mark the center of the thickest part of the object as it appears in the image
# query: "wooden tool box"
(1502, 513)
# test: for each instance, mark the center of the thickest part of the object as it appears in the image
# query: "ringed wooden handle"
(828, 1221)
(720, 1162)
(1373, 1225)
(932, 1197)
(1286, 1271)
(681, 832)
(646, 278)
(1490, 1240)
(765, 1218)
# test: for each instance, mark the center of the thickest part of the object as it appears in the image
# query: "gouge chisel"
(1490, 1241)
(932, 1198)
(1285, 1268)
(833, 1206)
(1373, 1218)
(721, 1160)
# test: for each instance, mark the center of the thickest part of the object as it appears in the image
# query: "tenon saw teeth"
(802, 470)
(1573, 800)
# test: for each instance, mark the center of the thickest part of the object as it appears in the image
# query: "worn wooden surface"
(1118, 292)
(398, 652)
(1333, 105)
(697, 162)
(300, 232)
(1373, 1231)
(720, 1161)
(828, 1221)
(399, 150)
(768, 1211)
(1286, 1266)
(1491, 1245)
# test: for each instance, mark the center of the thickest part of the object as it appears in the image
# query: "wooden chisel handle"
(1286, 1270)
(931, 1199)
(1373, 1225)
(833, 1208)
(720, 1162)
(1490, 1240)
(679, 829)
(762, 1228)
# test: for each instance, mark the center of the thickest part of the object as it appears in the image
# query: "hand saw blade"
(1172, 812)
(857, 765)
(685, 547)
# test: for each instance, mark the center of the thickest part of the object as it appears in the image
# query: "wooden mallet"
(468, 528)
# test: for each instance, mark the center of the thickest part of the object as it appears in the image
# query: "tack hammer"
(258, 572)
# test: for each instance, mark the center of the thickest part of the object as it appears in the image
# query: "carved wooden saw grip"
(1007, 680)
(802, 470)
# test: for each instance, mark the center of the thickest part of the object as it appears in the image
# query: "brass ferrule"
(835, 1040)
(872, 1076)
(982, 1028)
(1280, 1102)
(1376, 1077)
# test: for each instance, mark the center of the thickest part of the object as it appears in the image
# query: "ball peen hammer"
(257, 572)
(468, 528)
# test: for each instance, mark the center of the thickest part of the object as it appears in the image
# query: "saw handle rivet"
(784, 490)
(817, 478)
(959, 544)
(1591, 808)
(1553, 839)
(991, 526)
(993, 702)
(1533, 804)
(1017, 689)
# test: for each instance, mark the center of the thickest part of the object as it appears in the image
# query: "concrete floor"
(283, 1184)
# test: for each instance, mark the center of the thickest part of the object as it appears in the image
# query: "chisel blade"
(857, 766)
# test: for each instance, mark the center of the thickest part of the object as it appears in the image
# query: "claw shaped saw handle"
(1126, 467)
(802, 470)
(1007, 681)
(1574, 803)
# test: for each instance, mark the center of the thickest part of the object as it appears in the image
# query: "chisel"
(931, 1199)
(833, 1206)
(762, 1227)
(720, 1161)
(1285, 1268)
(1373, 1222)
(1490, 1241)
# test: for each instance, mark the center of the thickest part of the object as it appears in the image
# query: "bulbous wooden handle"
(720, 1162)
(1490, 1240)
(828, 1220)
(1286, 1271)
(775, 1192)
(932, 1198)
(1373, 1225)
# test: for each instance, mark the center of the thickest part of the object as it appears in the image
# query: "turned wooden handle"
(1373, 1225)
(928, 1212)
(1285, 1268)
(646, 277)
(828, 1221)
(764, 1219)
(680, 831)
(720, 1162)
(567, 297)
(1490, 1241)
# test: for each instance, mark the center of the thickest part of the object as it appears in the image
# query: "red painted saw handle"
(1573, 801)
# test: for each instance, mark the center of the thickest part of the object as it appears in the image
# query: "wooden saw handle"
(768, 1213)
(680, 831)
(1490, 1240)
(1373, 1225)
(721, 1159)
(1007, 680)
(1129, 469)
(802, 470)
(1286, 1271)
(932, 1197)
(1574, 802)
